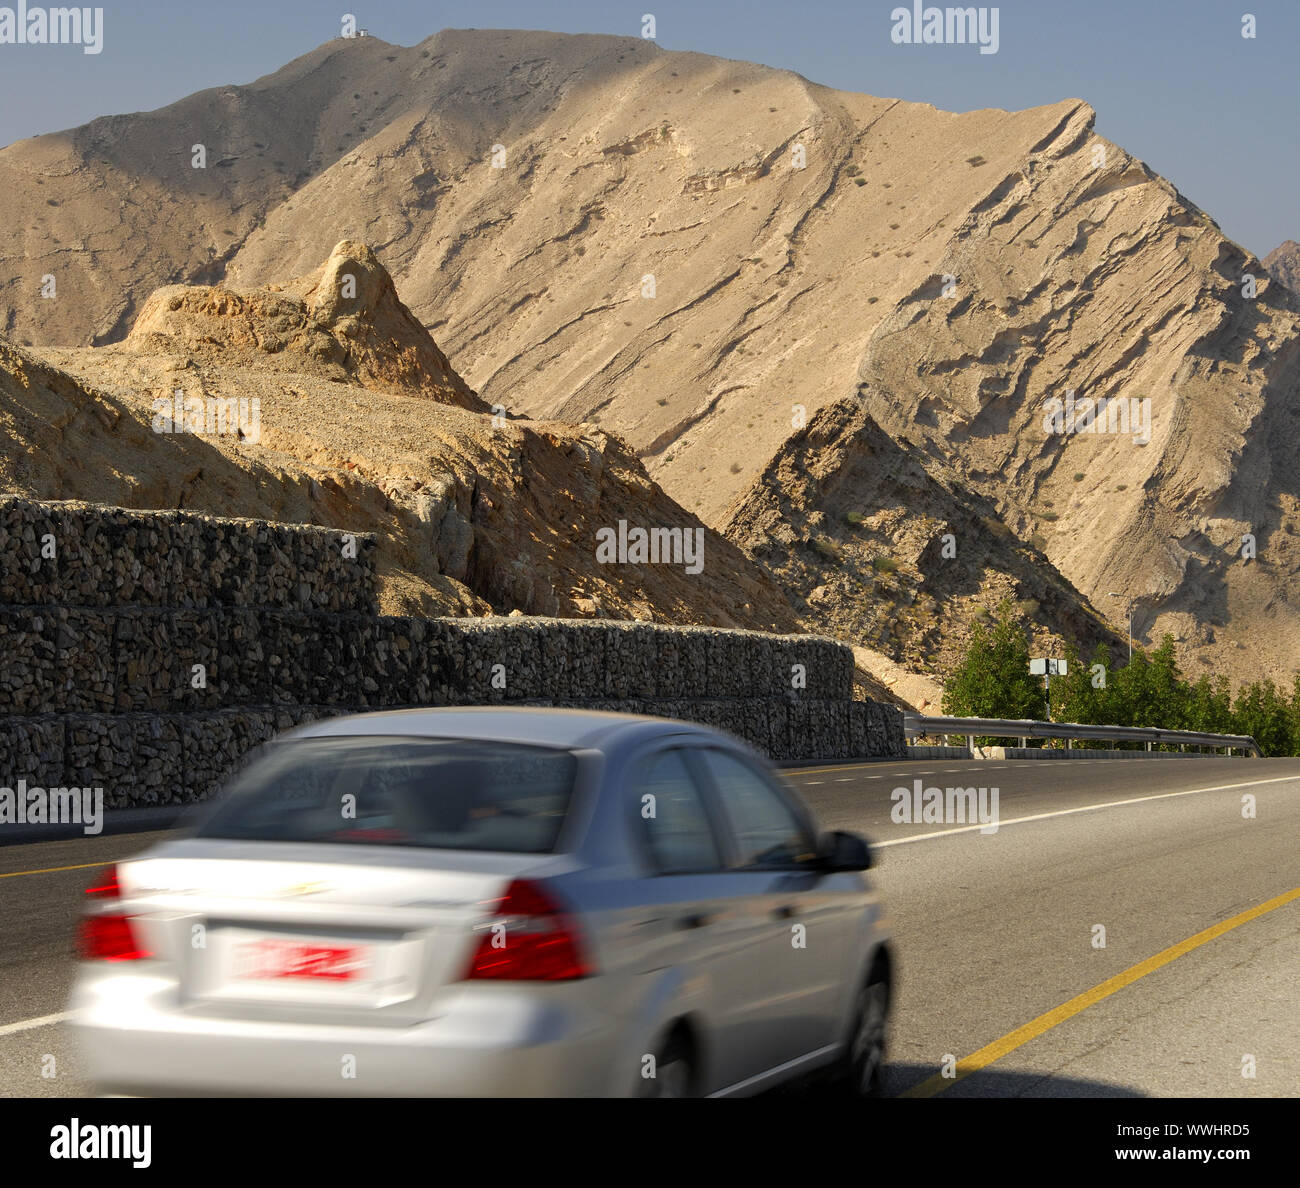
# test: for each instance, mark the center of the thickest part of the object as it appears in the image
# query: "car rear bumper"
(490, 1041)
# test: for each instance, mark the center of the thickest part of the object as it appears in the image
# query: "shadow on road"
(990, 1082)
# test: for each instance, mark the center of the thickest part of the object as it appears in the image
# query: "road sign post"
(1047, 668)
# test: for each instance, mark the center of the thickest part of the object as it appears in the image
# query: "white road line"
(1086, 808)
(812, 783)
(31, 1024)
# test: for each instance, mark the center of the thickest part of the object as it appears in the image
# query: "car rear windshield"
(455, 794)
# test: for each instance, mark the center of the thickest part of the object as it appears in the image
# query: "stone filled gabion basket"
(149, 653)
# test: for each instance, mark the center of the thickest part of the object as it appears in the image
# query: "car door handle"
(693, 920)
(785, 911)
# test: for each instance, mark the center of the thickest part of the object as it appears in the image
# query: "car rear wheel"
(863, 1072)
(673, 1073)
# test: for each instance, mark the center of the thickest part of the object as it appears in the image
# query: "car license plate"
(273, 958)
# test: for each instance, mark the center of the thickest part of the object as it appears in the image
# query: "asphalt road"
(1000, 973)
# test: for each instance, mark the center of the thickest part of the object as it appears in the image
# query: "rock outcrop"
(344, 321)
(879, 545)
(1283, 264)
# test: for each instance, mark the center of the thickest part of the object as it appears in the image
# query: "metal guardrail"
(920, 726)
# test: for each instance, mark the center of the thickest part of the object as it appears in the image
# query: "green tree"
(1262, 712)
(992, 679)
(1076, 697)
(1126, 691)
(1157, 692)
(1209, 706)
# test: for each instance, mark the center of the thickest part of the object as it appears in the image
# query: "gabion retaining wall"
(112, 557)
(147, 652)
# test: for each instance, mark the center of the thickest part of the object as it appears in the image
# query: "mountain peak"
(352, 283)
(345, 319)
(1283, 264)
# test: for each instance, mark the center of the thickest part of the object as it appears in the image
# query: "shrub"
(825, 549)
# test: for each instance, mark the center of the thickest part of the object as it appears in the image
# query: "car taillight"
(108, 936)
(109, 888)
(530, 938)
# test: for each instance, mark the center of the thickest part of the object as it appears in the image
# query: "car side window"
(766, 831)
(679, 837)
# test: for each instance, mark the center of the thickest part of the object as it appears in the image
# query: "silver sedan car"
(489, 902)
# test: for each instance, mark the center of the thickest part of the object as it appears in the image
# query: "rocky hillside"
(475, 513)
(1283, 264)
(880, 545)
(699, 254)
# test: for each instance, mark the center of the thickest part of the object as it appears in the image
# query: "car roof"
(534, 725)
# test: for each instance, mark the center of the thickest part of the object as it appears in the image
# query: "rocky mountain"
(886, 547)
(269, 405)
(1283, 264)
(701, 254)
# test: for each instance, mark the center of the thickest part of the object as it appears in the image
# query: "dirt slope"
(475, 513)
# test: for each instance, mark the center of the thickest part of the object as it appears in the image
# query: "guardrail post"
(1148, 744)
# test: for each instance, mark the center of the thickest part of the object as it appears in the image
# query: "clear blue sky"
(1172, 81)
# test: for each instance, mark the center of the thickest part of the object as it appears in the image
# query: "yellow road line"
(52, 869)
(794, 771)
(1067, 1010)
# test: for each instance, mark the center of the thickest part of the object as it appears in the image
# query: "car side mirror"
(845, 851)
